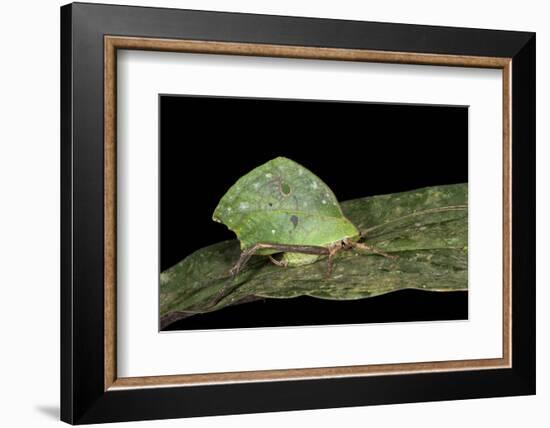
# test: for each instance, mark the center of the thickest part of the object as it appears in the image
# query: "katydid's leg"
(330, 262)
(276, 262)
(305, 249)
(247, 254)
(363, 246)
(243, 259)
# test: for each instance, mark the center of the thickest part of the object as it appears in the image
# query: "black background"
(358, 149)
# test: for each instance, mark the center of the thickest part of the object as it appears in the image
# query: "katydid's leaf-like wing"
(284, 203)
(427, 228)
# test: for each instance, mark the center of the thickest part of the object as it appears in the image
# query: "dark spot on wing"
(294, 220)
(285, 189)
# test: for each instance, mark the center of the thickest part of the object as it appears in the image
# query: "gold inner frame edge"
(113, 43)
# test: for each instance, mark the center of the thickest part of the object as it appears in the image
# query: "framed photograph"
(320, 213)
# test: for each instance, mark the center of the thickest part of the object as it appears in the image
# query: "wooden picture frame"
(91, 390)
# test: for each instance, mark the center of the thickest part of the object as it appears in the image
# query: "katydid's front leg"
(333, 250)
(371, 249)
(304, 249)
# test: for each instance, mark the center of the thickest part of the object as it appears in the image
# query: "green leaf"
(281, 202)
(426, 228)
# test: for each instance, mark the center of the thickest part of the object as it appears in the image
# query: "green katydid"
(283, 208)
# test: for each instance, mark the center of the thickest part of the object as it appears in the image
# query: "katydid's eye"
(285, 189)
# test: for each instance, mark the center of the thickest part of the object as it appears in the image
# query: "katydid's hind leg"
(330, 261)
(365, 247)
(330, 265)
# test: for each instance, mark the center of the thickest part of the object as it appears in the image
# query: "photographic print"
(321, 200)
(281, 212)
